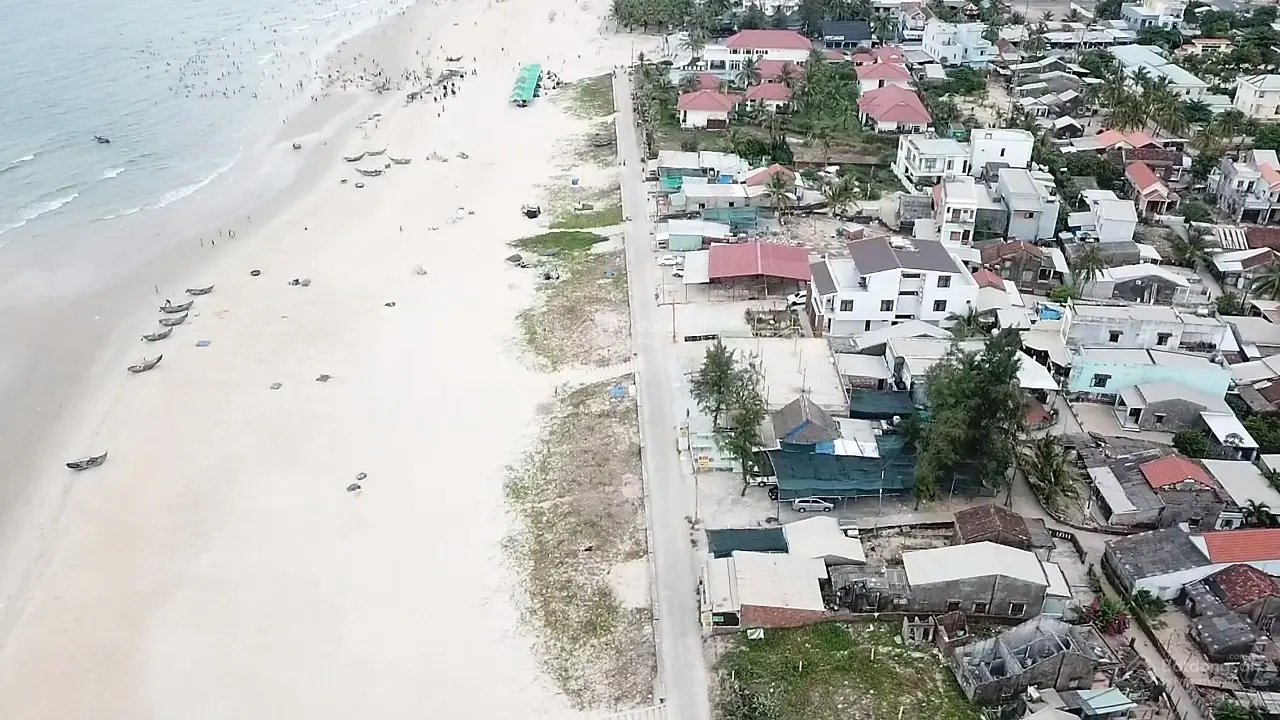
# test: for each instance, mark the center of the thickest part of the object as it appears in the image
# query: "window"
(1017, 609)
(910, 276)
(1114, 336)
(846, 306)
(953, 605)
(886, 306)
(1045, 274)
(1002, 152)
(944, 281)
(939, 305)
(1163, 338)
(979, 608)
(1099, 381)
(1159, 419)
(866, 327)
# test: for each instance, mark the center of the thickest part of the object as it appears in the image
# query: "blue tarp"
(880, 404)
(722, 543)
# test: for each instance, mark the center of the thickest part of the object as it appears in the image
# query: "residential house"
(886, 281)
(774, 97)
(1165, 14)
(1163, 561)
(846, 34)
(1166, 406)
(1109, 371)
(1005, 147)
(1256, 337)
(1154, 327)
(673, 166)
(1243, 483)
(683, 235)
(983, 578)
(707, 109)
(962, 44)
(1258, 96)
(782, 45)
(1237, 269)
(1109, 140)
(923, 161)
(911, 21)
(956, 203)
(878, 75)
(1107, 219)
(1155, 489)
(1002, 526)
(1029, 266)
(1249, 189)
(762, 589)
(911, 359)
(1031, 198)
(1241, 589)
(1044, 652)
(1150, 194)
(1199, 45)
(1168, 164)
(893, 109)
(1145, 283)
(703, 196)
(877, 55)
(761, 177)
(1133, 58)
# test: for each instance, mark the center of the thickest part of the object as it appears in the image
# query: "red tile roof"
(769, 91)
(762, 175)
(758, 258)
(894, 104)
(1242, 546)
(706, 101)
(1269, 174)
(996, 252)
(889, 54)
(988, 279)
(1142, 177)
(1173, 469)
(708, 81)
(883, 71)
(769, 40)
(834, 55)
(770, 69)
(1241, 584)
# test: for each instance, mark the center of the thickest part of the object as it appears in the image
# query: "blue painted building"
(1112, 370)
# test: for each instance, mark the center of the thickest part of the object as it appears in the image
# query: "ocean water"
(186, 91)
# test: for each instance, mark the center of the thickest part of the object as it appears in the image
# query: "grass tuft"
(592, 97)
(557, 241)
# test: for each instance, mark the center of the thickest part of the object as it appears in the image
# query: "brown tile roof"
(706, 101)
(1241, 584)
(994, 253)
(1242, 546)
(1262, 237)
(1173, 469)
(986, 278)
(992, 522)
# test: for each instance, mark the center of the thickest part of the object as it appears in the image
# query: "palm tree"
(1089, 265)
(1073, 15)
(688, 83)
(885, 27)
(838, 195)
(1049, 472)
(695, 42)
(1147, 606)
(1230, 125)
(1257, 514)
(1267, 285)
(1046, 16)
(1273, 478)
(787, 75)
(780, 192)
(1192, 250)
(971, 323)
(750, 73)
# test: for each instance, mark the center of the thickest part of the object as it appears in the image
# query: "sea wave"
(122, 213)
(35, 210)
(176, 195)
(16, 162)
(108, 174)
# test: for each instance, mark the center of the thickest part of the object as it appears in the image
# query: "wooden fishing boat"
(153, 337)
(88, 462)
(353, 158)
(172, 309)
(370, 173)
(146, 365)
(102, 139)
(200, 291)
(172, 321)
(375, 153)
(400, 161)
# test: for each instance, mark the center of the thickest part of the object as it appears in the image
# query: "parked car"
(670, 260)
(803, 505)
(678, 272)
(800, 298)
(764, 480)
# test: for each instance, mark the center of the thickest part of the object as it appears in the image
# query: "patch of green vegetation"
(838, 670)
(593, 96)
(604, 217)
(576, 495)
(557, 241)
(580, 316)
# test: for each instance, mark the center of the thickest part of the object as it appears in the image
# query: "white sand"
(216, 567)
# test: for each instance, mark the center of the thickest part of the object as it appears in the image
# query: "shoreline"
(217, 547)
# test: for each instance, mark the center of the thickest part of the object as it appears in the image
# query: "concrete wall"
(995, 590)
(754, 616)
(1065, 671)
(1178, 415)
(1184, 505)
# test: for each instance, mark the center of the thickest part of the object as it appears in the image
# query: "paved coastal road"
(681, 665)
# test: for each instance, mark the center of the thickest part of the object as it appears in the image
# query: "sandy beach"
(216, 566)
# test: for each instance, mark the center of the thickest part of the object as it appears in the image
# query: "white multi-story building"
(952, 44)
(956, 209)
(1154, 13)
(923, 161)
(781, 45)
(1031, 198)
(1009, 146)
(1258, 96)
(1249, 188)
(886, 281)
(1109, 219)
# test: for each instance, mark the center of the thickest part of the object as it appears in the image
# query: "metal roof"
(981, 559)
(876, 254)
(759, 258)
(1156, 553)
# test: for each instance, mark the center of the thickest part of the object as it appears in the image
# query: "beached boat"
(102, 139)
(146, 365)
(170, 308)
(400, 161)
(175, 320)
(376, 153)
(89, 462)
(370, 173)
(200, 290)
(353, 158)
(153, 337)
(297, 146)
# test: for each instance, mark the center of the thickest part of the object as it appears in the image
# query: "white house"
(1249, 188)
(923, 160)
(1154, 13)
(1148, 58)
(1258, 96)
(1009, 146)
(1108, 219)
(956, 208)
(705, 109)
(963, 44)
(886, 281)
(1032, 200)
(782, 45)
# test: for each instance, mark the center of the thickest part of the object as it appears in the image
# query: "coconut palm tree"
(971, 323)
(1192, 250)
(1267, 285)
(787, 75)
(1048, 471)
(885, 27)
(1088, 265)
(1257, 514)
(838, 195)
(1046, 16)
(694, 42)
(781, 192)
(749, 75)
(1230, 125)
(689, 83)
(1073, 15)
